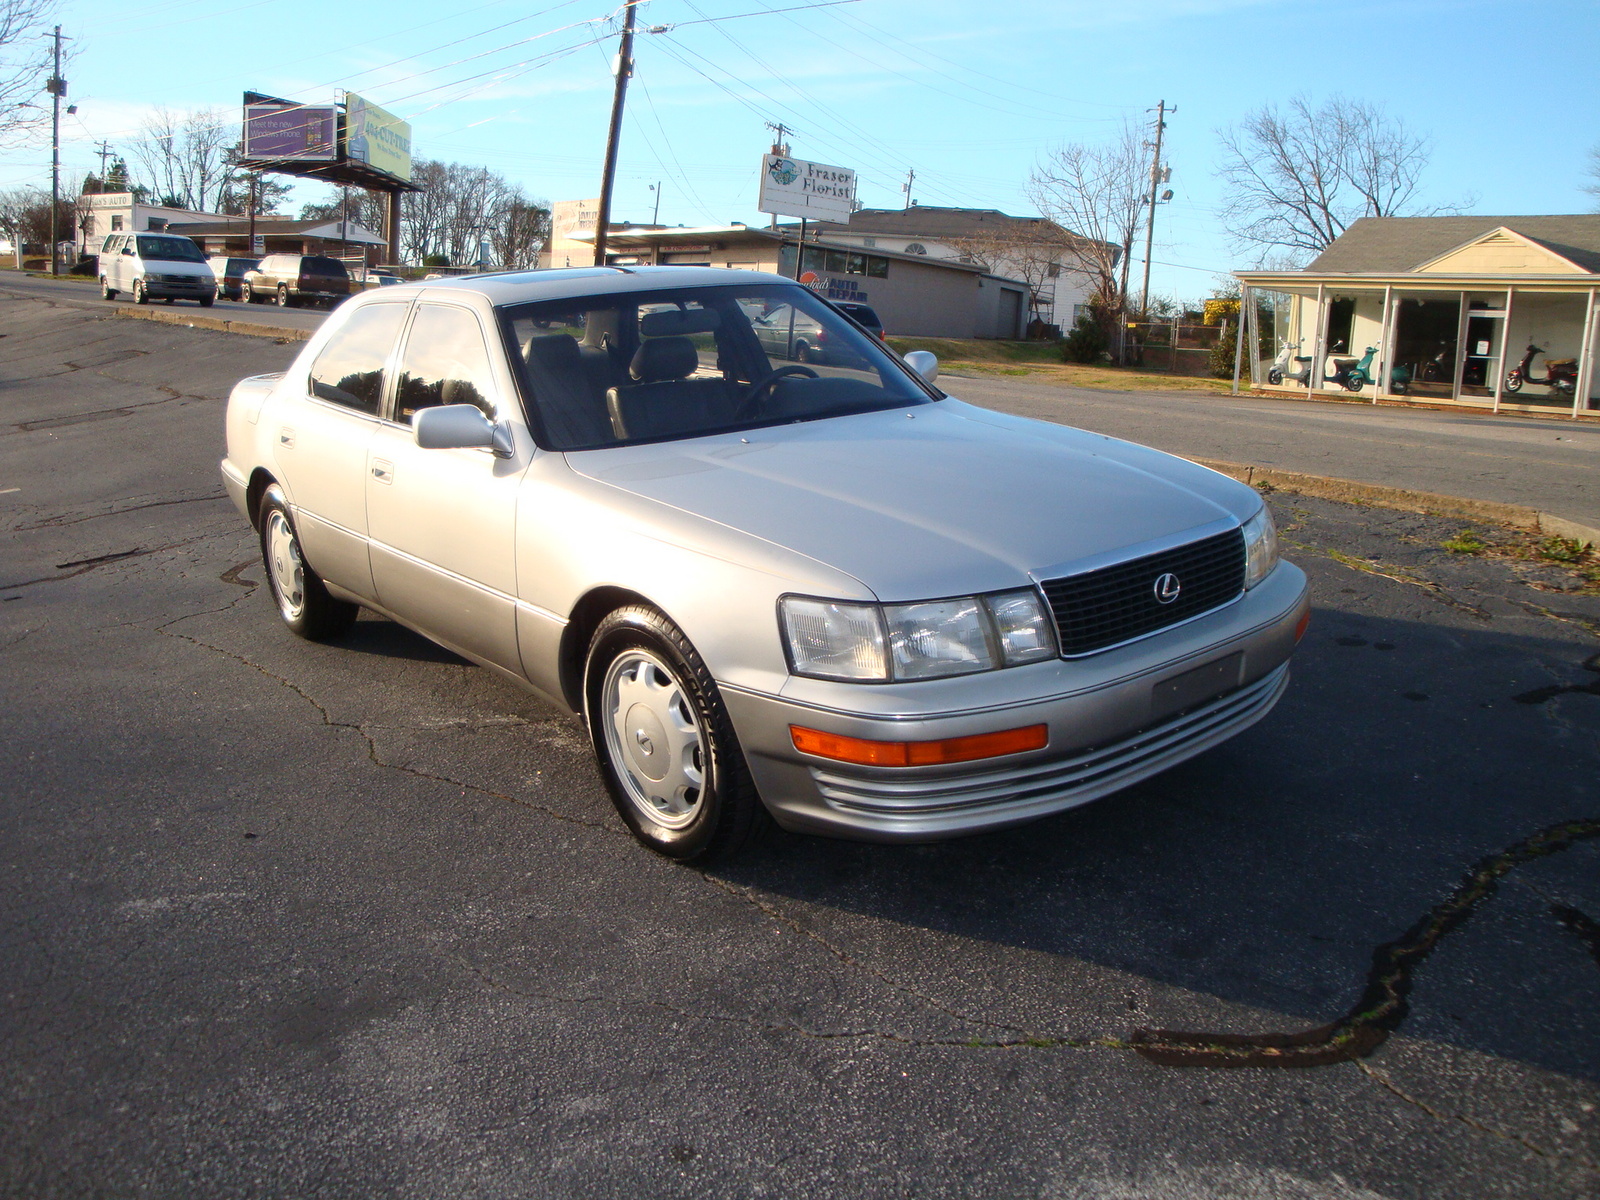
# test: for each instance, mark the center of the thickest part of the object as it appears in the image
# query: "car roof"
(524, 287)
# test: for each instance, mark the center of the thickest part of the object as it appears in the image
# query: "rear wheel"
(665, 744)
(283, 295)
(303, 602)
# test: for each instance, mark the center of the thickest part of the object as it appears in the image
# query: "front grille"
(1118, 603)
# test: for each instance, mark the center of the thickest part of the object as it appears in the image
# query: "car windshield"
(645, 366)
(169, 249)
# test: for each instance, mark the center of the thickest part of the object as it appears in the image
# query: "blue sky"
(968, 95)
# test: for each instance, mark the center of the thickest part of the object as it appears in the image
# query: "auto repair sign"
(792, 187)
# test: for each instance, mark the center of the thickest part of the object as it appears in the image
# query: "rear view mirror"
(459, 427)
(924, 363)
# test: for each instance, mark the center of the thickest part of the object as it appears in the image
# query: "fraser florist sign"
(792, 187)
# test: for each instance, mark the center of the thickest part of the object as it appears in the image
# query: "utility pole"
(780, 148)
(911, 177)
(1156, 180)
(105, 152)
(614, 135)
(58, 89)
(655, 217)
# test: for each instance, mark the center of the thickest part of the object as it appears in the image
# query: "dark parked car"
(295, 280)
(230, 274)
(862, 316)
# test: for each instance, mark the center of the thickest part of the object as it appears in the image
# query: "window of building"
(445, 362)
(844, 262)
(869, 243)
(116, 222)
(349, 371)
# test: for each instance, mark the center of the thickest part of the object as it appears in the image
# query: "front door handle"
(382, 471)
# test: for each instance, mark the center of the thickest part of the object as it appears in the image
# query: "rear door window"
(350, 369)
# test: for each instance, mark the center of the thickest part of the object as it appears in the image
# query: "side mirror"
(924, 363)
(460, 427)
(128, 250)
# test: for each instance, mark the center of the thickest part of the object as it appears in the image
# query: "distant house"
(219, 233)
(1032, 249)
(1449, 307)
(914, 295)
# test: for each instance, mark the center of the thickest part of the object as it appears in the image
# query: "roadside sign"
(792, 187)
(258, 244)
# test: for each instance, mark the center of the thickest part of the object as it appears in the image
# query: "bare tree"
(1096, 191)
(1298, 178)
(187, 157)
(1593, 172)
(25, 65)
(520, 231)
(1032, 250)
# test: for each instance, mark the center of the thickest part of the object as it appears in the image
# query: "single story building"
(102, 213)
(913, 295)
(1496, 313)
(334, 238)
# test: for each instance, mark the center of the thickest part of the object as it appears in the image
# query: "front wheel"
(302, 599)
(247, 294)
(139, 294)
(666, 747)
(207, 301)
(1514, 381)
(106, 290)
(1274, 375)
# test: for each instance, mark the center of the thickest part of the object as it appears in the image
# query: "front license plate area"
(1195, 687)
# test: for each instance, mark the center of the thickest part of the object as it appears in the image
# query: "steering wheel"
(753, 398)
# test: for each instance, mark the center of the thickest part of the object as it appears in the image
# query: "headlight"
(960, 636)
(1260, 547)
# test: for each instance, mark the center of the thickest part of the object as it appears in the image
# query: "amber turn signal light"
(918, 754)
(1305, 623)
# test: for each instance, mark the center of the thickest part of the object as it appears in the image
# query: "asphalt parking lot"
(282, 919)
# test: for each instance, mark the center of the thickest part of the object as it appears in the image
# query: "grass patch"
(1564, 549)
(1042, 362)
(1465, 542)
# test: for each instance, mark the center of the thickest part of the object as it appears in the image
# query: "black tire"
(106, 290)
(283, 295)
(247, 294)
(640, 663)
(296, 590)
(139, 294)
(804, 353)
(1274, 376)
(207, 301)
(1514, 381)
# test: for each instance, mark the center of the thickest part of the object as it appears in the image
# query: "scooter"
(1561, 374)
(1349, 373)
(1279, 371)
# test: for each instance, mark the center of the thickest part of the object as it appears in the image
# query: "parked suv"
(155, 266)
(862, 316)
(294, 280)
(230, 274)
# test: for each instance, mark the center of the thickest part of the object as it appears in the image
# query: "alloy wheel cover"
(653, 738)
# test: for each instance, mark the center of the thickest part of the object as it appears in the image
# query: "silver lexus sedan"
(826, 595)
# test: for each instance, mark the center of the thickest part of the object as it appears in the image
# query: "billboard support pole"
(614, 135)
(394, 226)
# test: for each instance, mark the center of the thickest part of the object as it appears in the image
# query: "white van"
(155, 266)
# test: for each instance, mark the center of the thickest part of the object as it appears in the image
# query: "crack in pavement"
(59, 521)
(1384, 1081)
(1383, 1006)
(1550, 692)
(84, 565)
(1583, 926)
(1368, 567)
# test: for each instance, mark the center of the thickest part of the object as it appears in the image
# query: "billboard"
(378, 138)
(294, 132)
(792, 187)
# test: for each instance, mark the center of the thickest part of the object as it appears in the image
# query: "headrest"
(664, 358)
(676, 322)
(553, 352)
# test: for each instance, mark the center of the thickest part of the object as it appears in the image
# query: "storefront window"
(1543, 348)
(1425, 350)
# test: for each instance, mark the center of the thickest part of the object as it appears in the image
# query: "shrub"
(1087, 343)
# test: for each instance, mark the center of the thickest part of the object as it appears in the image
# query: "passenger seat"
(664, 400)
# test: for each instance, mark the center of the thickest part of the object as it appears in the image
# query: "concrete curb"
(220, 324)
(1328, 488)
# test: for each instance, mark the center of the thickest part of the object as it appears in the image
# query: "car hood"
(937, 500)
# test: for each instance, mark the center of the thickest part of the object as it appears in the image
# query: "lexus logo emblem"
(1166, 588)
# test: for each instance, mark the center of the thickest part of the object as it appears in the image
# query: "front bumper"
(186, 289)
(1114, 719)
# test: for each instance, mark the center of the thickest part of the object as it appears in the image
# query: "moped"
(1279, 371)
(1349, 373)
(1561, 374)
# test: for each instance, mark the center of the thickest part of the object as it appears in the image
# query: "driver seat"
(663, 401)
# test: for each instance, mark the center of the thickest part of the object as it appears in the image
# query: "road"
(1547, 464)
(281, 919)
